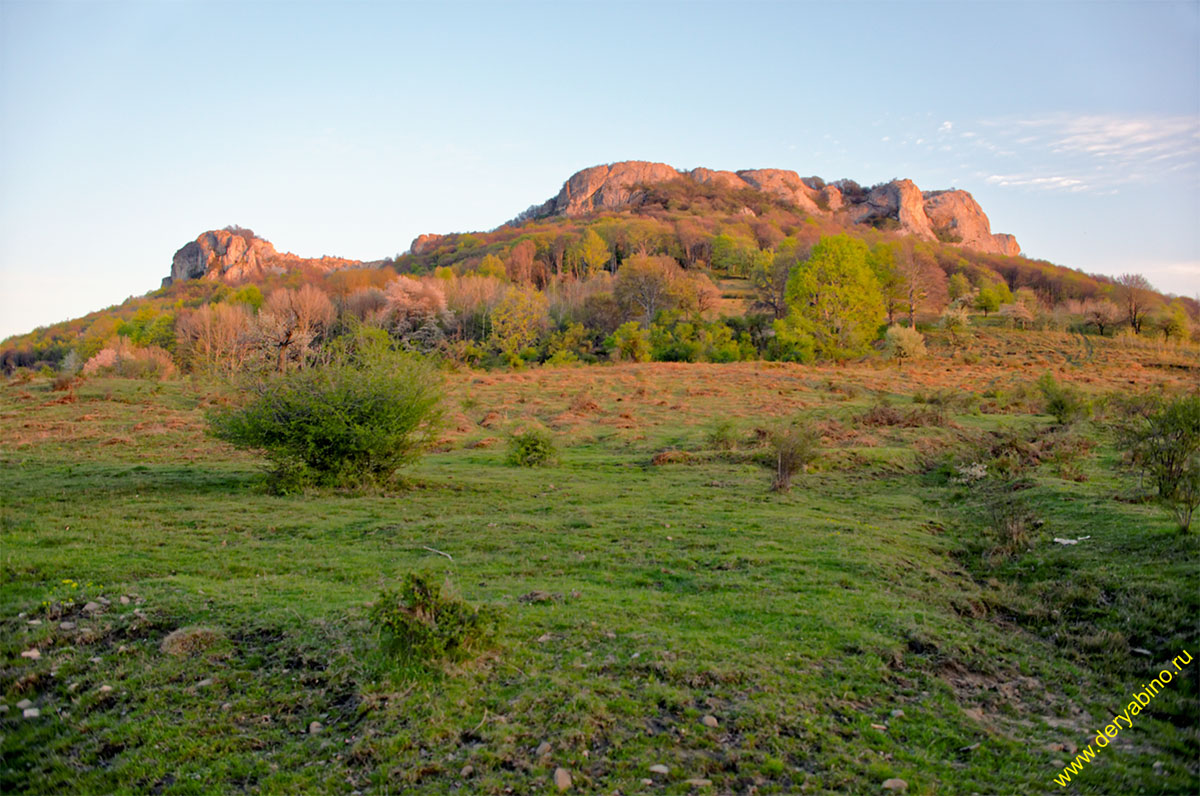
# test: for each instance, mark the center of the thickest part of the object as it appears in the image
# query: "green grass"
(799, 621)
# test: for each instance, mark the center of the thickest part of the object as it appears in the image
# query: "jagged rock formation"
(950, 216)
(956, 215)
(235, 255)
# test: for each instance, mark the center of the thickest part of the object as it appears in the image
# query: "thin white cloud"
(946, 127)
(1098, 151)
(1033, 181)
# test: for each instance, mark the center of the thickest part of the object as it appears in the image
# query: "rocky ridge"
(235, 255)
(950, 216)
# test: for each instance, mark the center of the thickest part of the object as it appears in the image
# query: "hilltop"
(719, 228)
(235, 254)
(952, 216)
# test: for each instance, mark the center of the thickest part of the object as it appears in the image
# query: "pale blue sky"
(126, 129)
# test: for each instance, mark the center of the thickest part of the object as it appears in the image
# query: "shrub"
(956, 321)
(531, 448)
(1066, 403)
(1013, 526)
(722, 435)
(905, 343)
(795, 446)
(1165, 445)
(351, 422)
(423, 622)
(631, 342)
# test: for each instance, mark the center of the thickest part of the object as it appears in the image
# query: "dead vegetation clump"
(883, 414)
(583, 403)
(189, 641)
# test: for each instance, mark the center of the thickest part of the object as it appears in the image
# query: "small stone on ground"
(710, 721)
(659, 768)
(895, 784)
(562, 778)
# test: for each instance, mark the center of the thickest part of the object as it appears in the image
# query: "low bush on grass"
(349, 423)
(1066, 403)
(424, 622)
(1164, 445)
(531, 448)
(793, 446)
(903, 343)
(722, 435)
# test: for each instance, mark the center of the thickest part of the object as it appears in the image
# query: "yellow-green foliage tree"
(593, 253)
(644, 284)
(834, 298)
(493, 266)
(518, 320)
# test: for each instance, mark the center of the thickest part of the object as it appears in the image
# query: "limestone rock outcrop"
(236, 255)
(608, 187)
(951, 216)
(423, 243)
(956, 216)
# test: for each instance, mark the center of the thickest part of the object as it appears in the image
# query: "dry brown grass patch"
(188, 641)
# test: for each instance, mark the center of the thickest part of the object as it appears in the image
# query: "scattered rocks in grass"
(562, 778)
(539, 597)
(32, 654)
(24, 704)
(106, 689)
(31, 713)
(66, 625)
(698, 782)
(226, 706)
(895, 784)
(659, 768)
(880, 727)
(710, 721)
(92, 607)
(1140, 651)
(207, 681)
(543, 749)
(34, 622)
(647, 782)
(3, 708)
(125, 600)
(315, 727)
(188, 641)
(542, 639)
(467, 771)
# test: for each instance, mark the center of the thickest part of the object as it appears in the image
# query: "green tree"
(631, 342)
(987, 300)
(644, 284)
(769, 275)
(1173, 321)
(493, 266)
(518, 321)
(834, 298)
(958, 287)
(593, 253)
(882, 260)
(732, 255)
(249, 295)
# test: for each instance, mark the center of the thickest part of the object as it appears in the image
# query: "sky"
(349, 128)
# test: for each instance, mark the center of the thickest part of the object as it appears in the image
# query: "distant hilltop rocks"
(235, 254)
(950, 216)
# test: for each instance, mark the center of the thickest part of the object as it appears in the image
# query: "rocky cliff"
(951, 216)
(234, 254)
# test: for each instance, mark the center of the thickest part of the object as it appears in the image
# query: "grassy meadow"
(661, 607)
